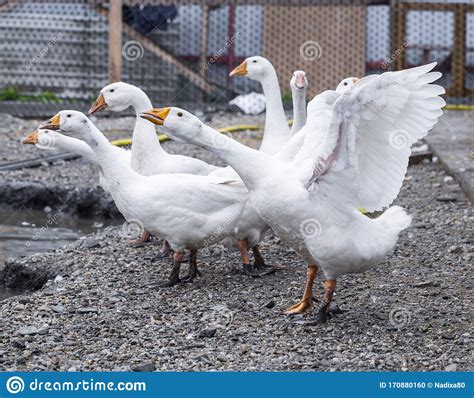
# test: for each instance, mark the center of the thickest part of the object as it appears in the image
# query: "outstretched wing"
(367, 142)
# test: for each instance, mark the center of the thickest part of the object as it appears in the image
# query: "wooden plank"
(459, 52)
(203, 44)
(400, 35)
(115, 40)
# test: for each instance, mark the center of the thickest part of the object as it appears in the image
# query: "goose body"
(351, 157)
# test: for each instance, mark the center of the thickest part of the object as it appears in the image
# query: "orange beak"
(240, 70)
(31, 138)
(156, 115)
(98, 105)
(51, 124)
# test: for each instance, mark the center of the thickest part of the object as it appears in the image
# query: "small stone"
(87, 310)
(452, 367)
(270, 304)
(448, 179)
(28, 330)
(58, 279)
(91, 242)
(207, 333)
(221, 358)
(143, 367)
(455, 249)
(59, 309)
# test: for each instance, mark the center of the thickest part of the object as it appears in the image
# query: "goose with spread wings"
(356, 146)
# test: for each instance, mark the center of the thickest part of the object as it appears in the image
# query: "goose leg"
(259, 262)
(174, 276)
(323, 309)
(249, 269)
(165, 249)
(307, 298)
(142, 240)
(193, 268)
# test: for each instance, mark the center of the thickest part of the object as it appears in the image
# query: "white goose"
(50, 140)
(355, 154)
(276, 133)
(189, 211)
(148, 156)
(298, 84)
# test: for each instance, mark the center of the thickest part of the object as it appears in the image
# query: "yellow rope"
(224, 130)
(459, 107)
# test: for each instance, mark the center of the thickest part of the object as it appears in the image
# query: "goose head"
(255, 68)
(42, 139)
(346, 84)
(67, 121)
(116, 96)
(177, 122)
(298, 81)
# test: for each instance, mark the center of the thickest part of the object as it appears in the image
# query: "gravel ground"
(101, 310)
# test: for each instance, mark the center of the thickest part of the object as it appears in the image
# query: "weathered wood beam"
(115, 40)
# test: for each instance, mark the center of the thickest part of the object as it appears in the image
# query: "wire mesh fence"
(58, 54)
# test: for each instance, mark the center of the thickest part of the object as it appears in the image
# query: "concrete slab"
(452, 140)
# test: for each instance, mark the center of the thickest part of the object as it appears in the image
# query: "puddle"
(26, 232)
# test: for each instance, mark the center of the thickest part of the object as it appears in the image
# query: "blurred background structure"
(181, 52)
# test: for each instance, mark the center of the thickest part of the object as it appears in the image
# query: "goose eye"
(345, 83)
(112, 90)
(69, 115)
(254, 61)
(180, 114)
